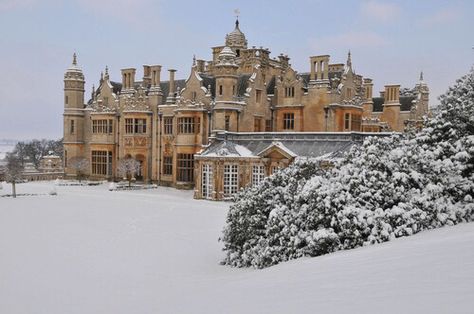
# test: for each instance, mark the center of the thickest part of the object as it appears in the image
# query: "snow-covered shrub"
(383, 189)
(53, 191)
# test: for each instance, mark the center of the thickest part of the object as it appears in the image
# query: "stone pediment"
(277, 150)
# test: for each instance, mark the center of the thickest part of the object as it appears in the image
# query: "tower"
(73, 115)
(226, 109)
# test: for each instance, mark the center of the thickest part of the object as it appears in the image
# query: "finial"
(194, 60)
(93, 92)
(106, 71)
(349, 59)
(74, 59)
(101, 76)
(421, 76)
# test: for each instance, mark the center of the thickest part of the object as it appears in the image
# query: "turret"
(73, 114)
(423, 97)
(226, 75)
(74, 86)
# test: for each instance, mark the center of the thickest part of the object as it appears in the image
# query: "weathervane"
(237, 13)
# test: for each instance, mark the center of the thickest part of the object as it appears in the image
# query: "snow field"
(88, 250)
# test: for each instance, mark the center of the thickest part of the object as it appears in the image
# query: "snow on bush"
(385, 188)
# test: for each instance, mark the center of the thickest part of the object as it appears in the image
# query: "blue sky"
(390, 41)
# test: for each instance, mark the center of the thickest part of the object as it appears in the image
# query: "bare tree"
(128, 168)
(80, 165)
(34, 150)
(13, 171)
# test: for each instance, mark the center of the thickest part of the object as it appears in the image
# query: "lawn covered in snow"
(89, 250)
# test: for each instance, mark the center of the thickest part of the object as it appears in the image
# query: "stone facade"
(166, 125)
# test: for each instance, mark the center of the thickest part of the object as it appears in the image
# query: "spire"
(421, 76)
(101, 77)
(349, 59)
(106, 77)
(194, 60)
(93, 92)
(74, 59)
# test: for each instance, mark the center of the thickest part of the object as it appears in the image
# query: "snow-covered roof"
(295, 144)
(227, 149)
(280, 146)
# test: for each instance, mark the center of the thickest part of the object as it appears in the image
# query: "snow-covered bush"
(383, 189)
(53, 191)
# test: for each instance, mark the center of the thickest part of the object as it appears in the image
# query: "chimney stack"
(128, 78)
(171, 97)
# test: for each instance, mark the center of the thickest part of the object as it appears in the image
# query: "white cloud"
(379, 10)
(441, 17)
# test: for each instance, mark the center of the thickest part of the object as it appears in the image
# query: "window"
(227, 122)
(188, 125)
(275, 169)
(168, 125)
(220, 90)
(65, 158)
(347, 121)
(140, 126)
(72, 127)
(231, 180)
(185, 167)
(137, 126)
(168, 165)
(289, 121)
(129, 126)
(268, 125)
(258, 96)
(207, 185)
(355, 122)
(258, 174)
(101, 162)
(106, 101)
(257, 124)
(233, 90)
(289, 92)
(193, 96)
(102, 126)
(66, 100)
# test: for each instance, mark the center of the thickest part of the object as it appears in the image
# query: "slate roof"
(165, 87)
(271, 86)
(303, 144)
(209, 80)
(378, 104)
(405, 103)
(242, 84)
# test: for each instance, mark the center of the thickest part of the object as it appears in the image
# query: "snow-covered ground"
(89, 250)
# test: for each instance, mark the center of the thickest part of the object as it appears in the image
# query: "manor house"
(236, 118)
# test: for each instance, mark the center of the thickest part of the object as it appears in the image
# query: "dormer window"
(289, 92)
